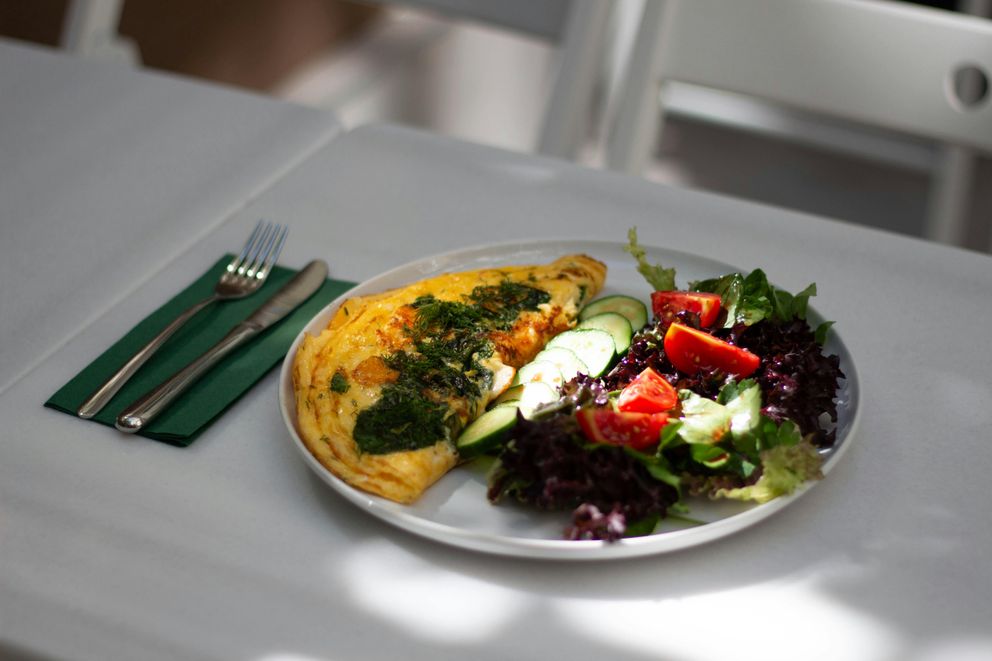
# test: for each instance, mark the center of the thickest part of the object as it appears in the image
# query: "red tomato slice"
(649, 392)
(635, 430)
(691, 350)
(665, 304)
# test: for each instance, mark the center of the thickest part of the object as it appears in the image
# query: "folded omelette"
(384, 391)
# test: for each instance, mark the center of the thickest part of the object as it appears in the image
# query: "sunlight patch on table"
(410, 593)
(757, 623)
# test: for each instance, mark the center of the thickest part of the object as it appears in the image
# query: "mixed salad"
(725, 392)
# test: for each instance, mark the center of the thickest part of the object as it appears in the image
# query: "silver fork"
(243, 276)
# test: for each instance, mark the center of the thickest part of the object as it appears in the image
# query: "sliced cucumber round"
(510, 395)
(543, 371)
(565, 359)
(628, 306)
(595, 348)
(613, 323)
(530, 396)
(533, 395)
(486, 432)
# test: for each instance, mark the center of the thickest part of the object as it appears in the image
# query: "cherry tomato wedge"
(635, 430)
(665, 304)
(649, 392)
(691, 350)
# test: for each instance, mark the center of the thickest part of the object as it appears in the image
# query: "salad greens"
(751, 298)
(730, 434)
(784, 469)
(747, 299)
(752, 437)
(660, 278)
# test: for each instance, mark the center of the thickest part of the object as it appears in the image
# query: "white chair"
(881, 63)
(580, 30)
(90, 30)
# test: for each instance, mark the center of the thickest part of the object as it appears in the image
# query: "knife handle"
(136, 416)
(106, 392)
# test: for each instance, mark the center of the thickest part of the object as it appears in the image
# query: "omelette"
(384, 391)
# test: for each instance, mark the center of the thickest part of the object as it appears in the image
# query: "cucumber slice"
(595, 348)
(486, 432)
(565, 359)
(510, 395)
(529, 397)
(543, 371)
(613, 323)
(635, 311)
(538, 393)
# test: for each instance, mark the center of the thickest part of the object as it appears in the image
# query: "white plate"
(455, 510)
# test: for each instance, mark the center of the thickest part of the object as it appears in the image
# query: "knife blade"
(301, 287)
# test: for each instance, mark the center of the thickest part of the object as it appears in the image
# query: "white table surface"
(114, 547)
(107, 173)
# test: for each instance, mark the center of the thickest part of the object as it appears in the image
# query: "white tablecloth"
(107, 173)
(115, 547)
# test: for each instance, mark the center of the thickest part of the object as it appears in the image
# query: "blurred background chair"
(545, 77)
(90, 30)
(578, 30)
(899, 70)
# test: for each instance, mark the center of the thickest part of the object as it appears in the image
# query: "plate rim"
(524, 547)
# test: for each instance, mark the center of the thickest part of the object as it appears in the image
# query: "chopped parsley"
(502, 303)
(402, 419)
(440, 317)
(339, 383)
(449, 340)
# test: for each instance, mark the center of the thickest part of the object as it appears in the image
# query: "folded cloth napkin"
(193, 412)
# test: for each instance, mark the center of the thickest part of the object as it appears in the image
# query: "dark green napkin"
(193, 412)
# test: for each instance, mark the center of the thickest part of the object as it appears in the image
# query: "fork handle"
(139, 414)
(106, 392)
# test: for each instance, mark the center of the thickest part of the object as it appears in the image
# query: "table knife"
(301, 287)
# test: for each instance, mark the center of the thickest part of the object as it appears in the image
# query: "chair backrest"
(873, 61)
(580, 31)
(578, 28)
(90, 29)
(544, 19)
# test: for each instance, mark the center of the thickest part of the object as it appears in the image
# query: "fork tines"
(260, 251)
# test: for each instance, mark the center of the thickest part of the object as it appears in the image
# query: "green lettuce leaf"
(751, 298)
(643, 527)
(657, 466)
(660, 278)
(728, 434)
(730, 288)
(784, 468)
(745, 416)
(704, 421)
(820, 334)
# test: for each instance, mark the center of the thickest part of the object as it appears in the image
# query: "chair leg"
(950, 194)
(637, 121)
(90, 29)
(582, 46)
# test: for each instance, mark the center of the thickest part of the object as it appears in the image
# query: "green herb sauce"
(449, 339)
(339, 383)
(501, 304)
